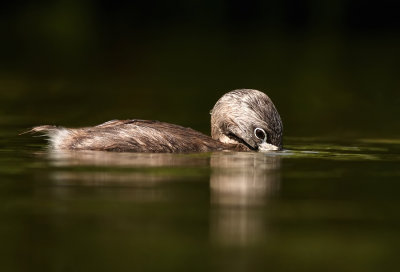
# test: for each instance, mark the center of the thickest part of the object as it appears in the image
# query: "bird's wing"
(130, 136)
(114, 123)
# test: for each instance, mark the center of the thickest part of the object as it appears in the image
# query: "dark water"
(320, 205)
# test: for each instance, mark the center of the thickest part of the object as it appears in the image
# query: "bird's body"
(242, 120)
(142, 136)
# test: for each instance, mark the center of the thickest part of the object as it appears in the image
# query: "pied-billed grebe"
(242, 120)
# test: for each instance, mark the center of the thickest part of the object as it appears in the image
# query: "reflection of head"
(243, 178)
(239, 182)
(247, 117)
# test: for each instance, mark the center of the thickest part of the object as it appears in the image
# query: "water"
(320, 205)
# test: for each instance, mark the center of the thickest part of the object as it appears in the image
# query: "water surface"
(320, 205)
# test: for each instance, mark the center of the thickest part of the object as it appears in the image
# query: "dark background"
(331, 67)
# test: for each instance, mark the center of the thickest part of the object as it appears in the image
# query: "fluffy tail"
(46, 130)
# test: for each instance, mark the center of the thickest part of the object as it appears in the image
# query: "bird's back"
(131, 136)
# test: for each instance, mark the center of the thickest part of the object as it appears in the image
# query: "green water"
(320, 205)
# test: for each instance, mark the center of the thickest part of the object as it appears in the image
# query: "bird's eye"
(260, 134)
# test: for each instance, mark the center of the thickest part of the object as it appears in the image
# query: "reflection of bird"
(243, 178)
(242, 120)
(241, 183)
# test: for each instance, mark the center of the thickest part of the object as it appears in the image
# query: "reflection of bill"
(240, 185)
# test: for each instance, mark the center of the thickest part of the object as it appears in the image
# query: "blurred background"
(331, 67)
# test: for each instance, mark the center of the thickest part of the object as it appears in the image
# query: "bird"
(241, 120)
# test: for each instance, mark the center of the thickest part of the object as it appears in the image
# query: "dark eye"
(260, 134)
